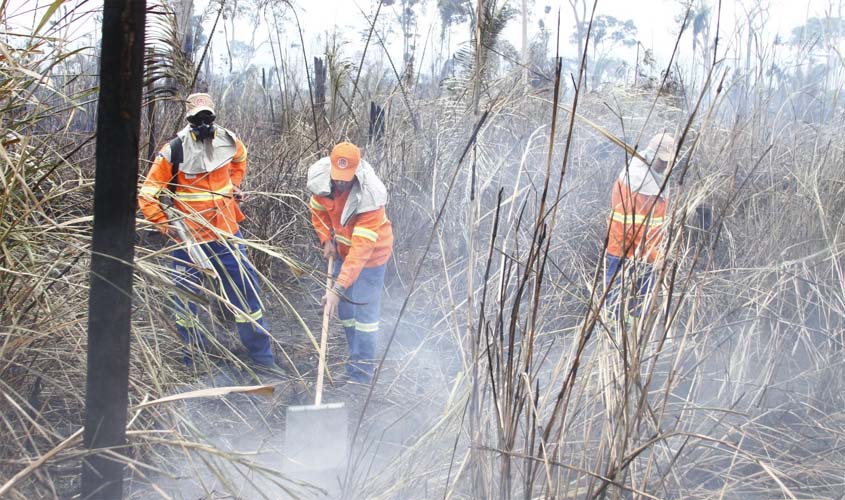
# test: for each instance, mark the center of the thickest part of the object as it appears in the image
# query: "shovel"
(315, 435)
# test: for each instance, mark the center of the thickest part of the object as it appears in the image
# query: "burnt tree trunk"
(110, 295)
(268, 99)
(184, 11)
(151, 114)
(320, 87)
(376, 122)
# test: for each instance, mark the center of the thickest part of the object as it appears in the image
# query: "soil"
(251, 429)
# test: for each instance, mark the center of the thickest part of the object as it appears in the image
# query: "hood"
(640, 177)
(200, 157)
(368, 192)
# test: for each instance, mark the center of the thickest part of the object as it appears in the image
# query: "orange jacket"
(636, 223)
(207, 196)
(365, 241)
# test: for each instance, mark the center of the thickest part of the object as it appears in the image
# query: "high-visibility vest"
(365, 241)
(206, 199)
(636, 222)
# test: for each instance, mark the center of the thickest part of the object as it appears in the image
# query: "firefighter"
(202, 170)
(639, 204)
(348, 212)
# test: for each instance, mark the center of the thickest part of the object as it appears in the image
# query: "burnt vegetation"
(502, 376)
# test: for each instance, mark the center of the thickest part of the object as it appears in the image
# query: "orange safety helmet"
(345, 159)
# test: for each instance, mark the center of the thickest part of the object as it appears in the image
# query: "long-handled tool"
(198, 257)
(316, 435)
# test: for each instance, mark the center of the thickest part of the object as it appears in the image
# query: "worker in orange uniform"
(202, 170)
(639, 209)
(347, 210)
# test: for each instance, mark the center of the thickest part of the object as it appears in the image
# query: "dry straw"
(504, 377)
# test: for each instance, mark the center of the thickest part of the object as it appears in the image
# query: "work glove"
(332, 298)
(658, 263)
(329, 250)
(238, 195)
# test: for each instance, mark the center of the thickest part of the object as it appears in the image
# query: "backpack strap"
(176, 157)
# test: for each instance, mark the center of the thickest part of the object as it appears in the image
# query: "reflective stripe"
(636, 218)
(367, 327)
(248, 318)
(149, 190)
(365, 233)
(205, 196)
(239, 159)
(188, 322)
(316, 206)
(343, 240)
(348, 323)
(198, 197)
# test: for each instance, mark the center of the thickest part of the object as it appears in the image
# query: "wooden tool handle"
(324, 337)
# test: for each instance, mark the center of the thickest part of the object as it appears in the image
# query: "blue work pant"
(240, 287)
(630, 287)
(361, 320)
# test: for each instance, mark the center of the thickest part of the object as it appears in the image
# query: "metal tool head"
(316, 437)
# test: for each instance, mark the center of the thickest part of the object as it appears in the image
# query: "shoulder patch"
(164, 152)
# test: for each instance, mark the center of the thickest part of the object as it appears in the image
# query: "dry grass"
(503, 379)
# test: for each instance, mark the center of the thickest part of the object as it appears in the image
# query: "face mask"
(202, 125)
(203, 131)
(341, 187)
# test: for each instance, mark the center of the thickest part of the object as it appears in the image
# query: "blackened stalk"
(112, 255)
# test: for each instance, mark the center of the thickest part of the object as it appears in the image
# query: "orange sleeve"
(654, 235)
(157, 179)
(321, 220)
(624, 228)
(364, 238)
(238, 166)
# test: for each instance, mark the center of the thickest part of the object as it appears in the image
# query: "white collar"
(640, 178)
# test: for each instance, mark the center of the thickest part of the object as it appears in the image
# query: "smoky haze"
(502, 372)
